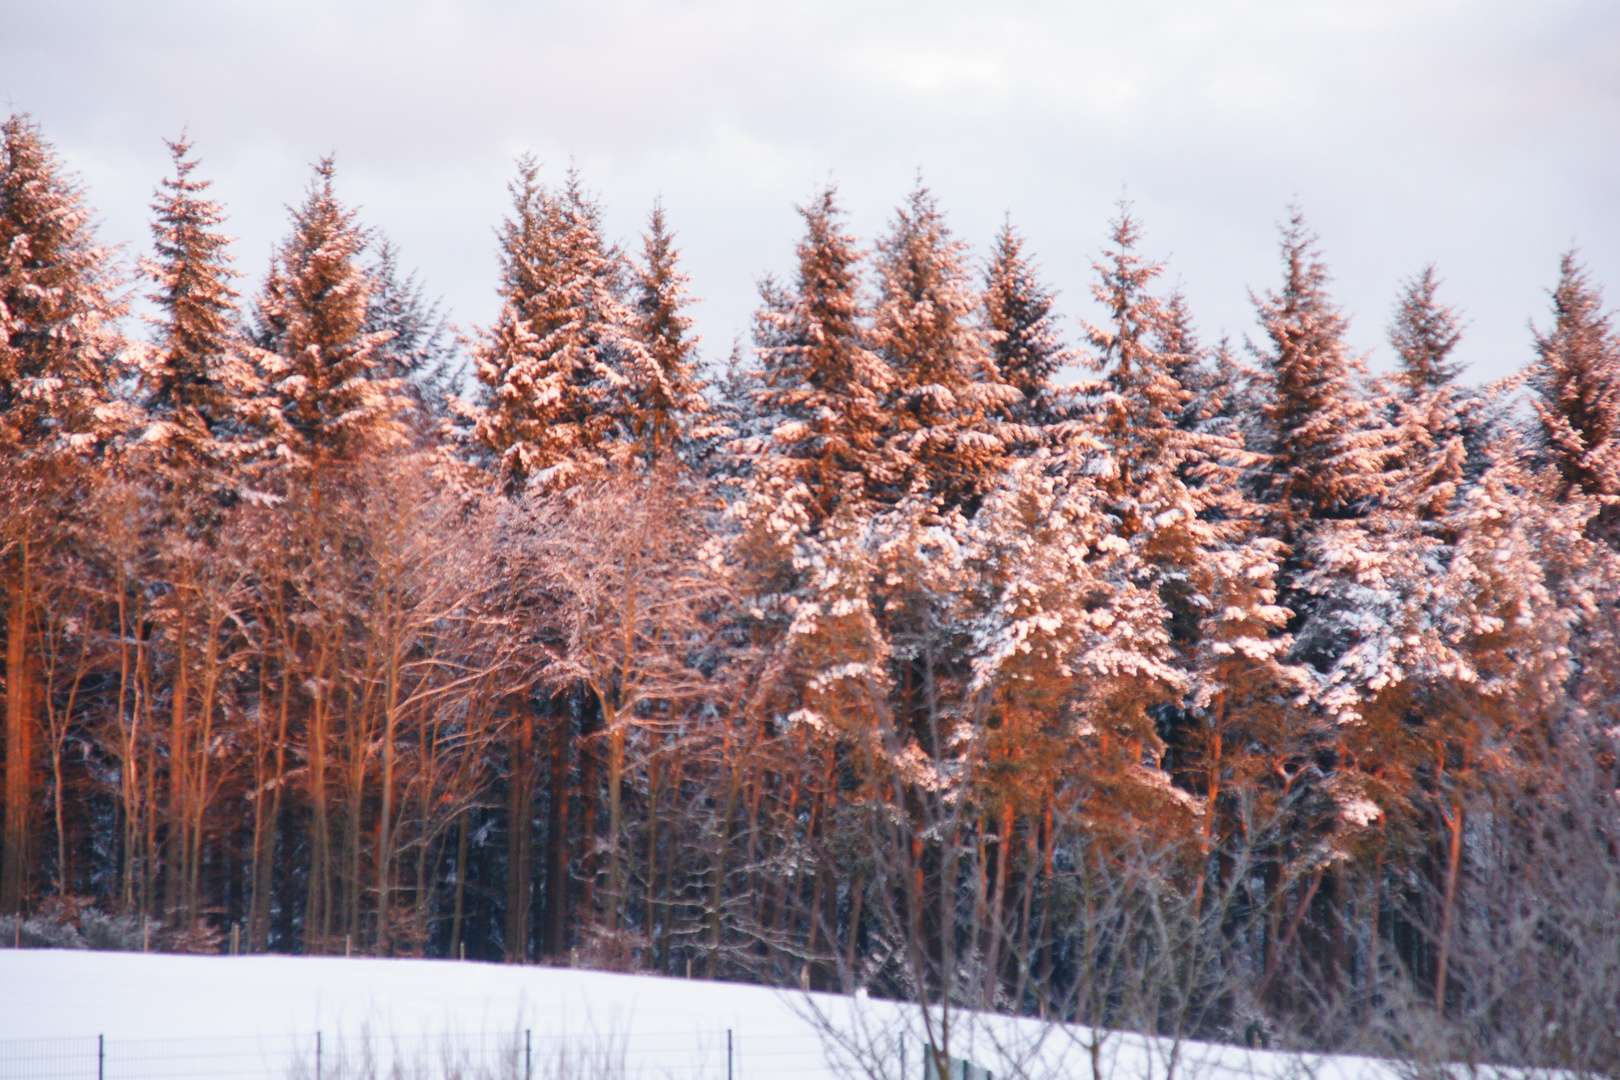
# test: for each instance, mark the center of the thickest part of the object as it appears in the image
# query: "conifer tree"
(820, 381)
(1022, 334)
(1428, 418)
(946, 393)
(1353, 575)
(816, 479)
(1576, 379)
(1328, 449)
(58, 360)
(327, 401)
(1424, 334)
(330, 418)
(1068, 648)
(59, 364)
(196, 378)
(1151, 414)
(558, 367)
(199, 388)
(420, 350)
(667, 393)
(1168, 478)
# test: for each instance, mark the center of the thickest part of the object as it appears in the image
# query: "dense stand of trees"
(1227, 693)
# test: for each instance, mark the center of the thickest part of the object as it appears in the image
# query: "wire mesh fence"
(512, 1055)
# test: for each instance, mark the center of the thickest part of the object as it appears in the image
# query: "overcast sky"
(1483, 135)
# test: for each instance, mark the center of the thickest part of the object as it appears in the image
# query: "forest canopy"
(1225, 691)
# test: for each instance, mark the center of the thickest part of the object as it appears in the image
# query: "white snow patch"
(667, 1027)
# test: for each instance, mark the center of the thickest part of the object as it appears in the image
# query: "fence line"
(512, 1055)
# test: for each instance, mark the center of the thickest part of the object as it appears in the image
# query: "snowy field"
(191, 1016)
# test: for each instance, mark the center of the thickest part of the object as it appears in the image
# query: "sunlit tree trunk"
(19, 737)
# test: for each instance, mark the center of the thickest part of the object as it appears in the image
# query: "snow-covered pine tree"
(948, 438)
(946, 394)
(1576, 381)
(1064, 639)
(1198, 374)
(558, 366)
(1485, 668)
(1329, 448)
(1353, 576)
(1245, 693)
(1167, 475)
(327, 402)
(814, 483)
(820, 380)
(59, 357)
(196, 378)
(1326, 470)
(201, 392)
(1139, 419)
(59, 364)
(1424, 333)
(668, 393)
(420, 350)
(1428, 423)
(1171, 461)
(1022, 334)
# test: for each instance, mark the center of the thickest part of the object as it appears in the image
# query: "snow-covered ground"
(196, 1016)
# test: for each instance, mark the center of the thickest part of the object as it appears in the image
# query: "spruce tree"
(1354, 573)
(1168, 477)
(666, 393)
(558, 369)
(59, 355)
(59, 364)
(1067, 645)
(821, 383)
(945, 394)
(1424, 333)
(1428, 419)
(815, 480)
(1576, 380)
(327, 401)
(420, 349)
(196, 378)
(1328, 448)
(1148, 358)
(1024, 345)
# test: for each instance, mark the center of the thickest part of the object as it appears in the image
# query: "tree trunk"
(519, 833)
(19, 742)
(998, 907)
(461, 887)
(650, 911)
(318, 923)
(588, 756)
(1454, 824)
(557, 836)
(615, 726)
(385, 835)
(178, 840)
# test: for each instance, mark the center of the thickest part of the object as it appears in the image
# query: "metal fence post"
(528, 1055)
(101, 1057)
(317, 1056)
(728, 1054)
